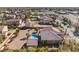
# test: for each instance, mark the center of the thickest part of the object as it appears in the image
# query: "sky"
(39, 3)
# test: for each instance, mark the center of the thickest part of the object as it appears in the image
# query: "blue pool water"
(76, 34)
(34, 36)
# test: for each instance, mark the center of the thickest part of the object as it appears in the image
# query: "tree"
(28, 14)
(2, 37)
(17, 30)
(54, 16)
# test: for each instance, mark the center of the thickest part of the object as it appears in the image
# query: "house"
(45, 20)
(50, 36)
(11, 21)
(62, 12)
(74, 12)
(11, 16)
(35, 18)
(23, 25)
(4, 30)
(20, 16)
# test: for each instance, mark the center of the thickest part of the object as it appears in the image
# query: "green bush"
(43, 49)
(31, 49)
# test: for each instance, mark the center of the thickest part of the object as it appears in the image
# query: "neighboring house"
(4, 30)
(45, 20)
(11, 16)
(74, 12)
(23, 16)
(35, 18)
(50, 36)
(23, 25)
(61, 12)
(20, 16)
(11, 21)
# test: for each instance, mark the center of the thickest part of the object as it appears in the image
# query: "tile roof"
(48, 34)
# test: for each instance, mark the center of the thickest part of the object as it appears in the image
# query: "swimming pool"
(34, 36)
(76, 34)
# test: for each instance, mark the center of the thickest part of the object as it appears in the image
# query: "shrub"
(43, 49)
(31, 49)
